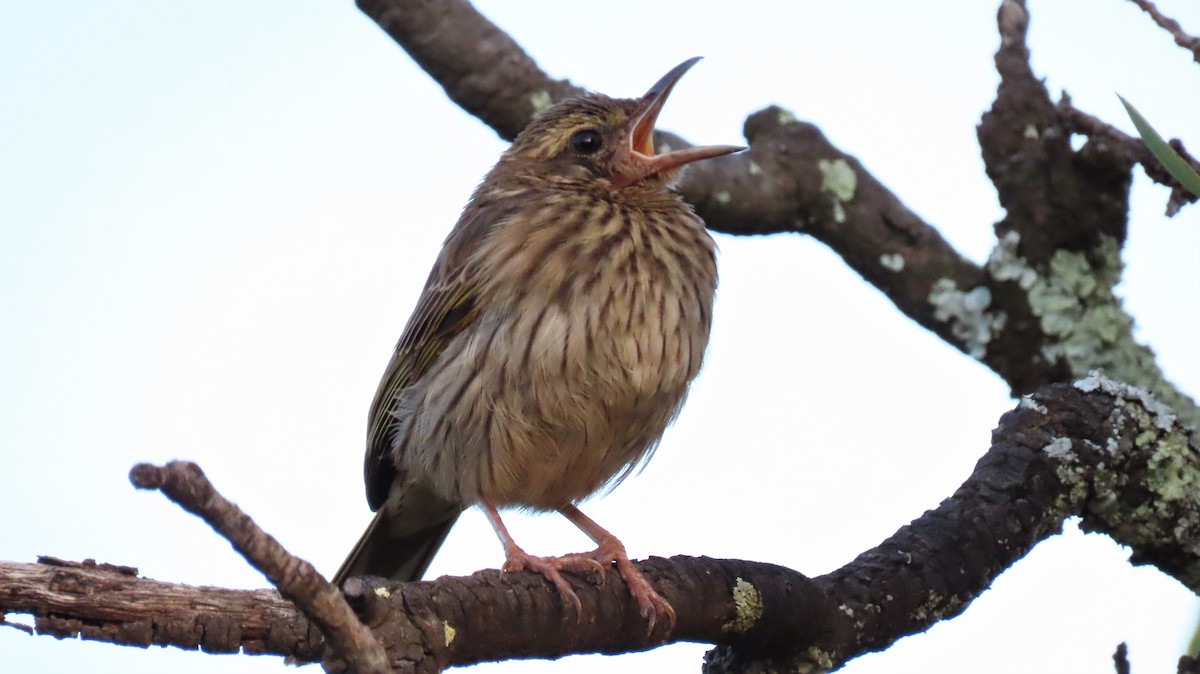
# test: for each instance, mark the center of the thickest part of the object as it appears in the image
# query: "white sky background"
(216, 217)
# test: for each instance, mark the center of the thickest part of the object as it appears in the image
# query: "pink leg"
(608, 550)
(517, 559)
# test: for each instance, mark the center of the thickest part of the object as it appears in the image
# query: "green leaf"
(1193, 648)
(1165, 154)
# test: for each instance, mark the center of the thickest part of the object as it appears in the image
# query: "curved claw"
(549, 568)
(609, 549)
(587, 563)
(649, 600)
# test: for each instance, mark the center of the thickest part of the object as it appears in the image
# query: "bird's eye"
(587, 141)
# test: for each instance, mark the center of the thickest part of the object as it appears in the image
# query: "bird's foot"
(550, 568)
(609, 549)
(650, 602)
(595, 564)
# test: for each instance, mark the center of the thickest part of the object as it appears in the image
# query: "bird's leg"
(519, 560)
(609, 550)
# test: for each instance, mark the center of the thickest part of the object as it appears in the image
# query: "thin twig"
(185, 484)
(5, 622)
(1172, 26)
(1078, 121)
(1121, 658)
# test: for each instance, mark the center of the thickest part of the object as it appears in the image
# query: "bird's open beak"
(640, 160)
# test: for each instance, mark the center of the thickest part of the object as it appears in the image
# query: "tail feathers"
(401, 558)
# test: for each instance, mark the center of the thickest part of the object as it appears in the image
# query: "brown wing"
(447, 306)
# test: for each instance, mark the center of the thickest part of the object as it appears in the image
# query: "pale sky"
(217, 216)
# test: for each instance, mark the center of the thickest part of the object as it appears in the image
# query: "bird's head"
(597, 140)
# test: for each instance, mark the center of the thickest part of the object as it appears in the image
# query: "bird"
(554, 341)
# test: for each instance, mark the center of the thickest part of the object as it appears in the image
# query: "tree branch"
(103, 602)
(1053, 273)
(1101, 450)
(1121, 659)
(481, 68)
(1131, 150)
(1067, 450)
(297, 580)
(1029, 315)
(1172, 26)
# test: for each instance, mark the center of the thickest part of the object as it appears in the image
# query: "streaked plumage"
(555, 339)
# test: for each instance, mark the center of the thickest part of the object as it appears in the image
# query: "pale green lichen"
(821, 659)
(936, 608)
(1085, 324)
(722, 197)
(1027, 402)
(1060, 449)
(382, 592)
(892, 262)
(1174, 476)
(1005, 265)
(1031, 132)
(839, 212)
(448, 633)
(754, 169)
(838, 179)
(859, 624)
(786, 117)
(1164, 416)
(967, 315)
(540, 100)
(1077, 488)
(1166, 509)
(748, 606)
(812, 661)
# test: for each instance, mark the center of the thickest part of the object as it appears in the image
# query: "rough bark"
(296, 579)
(1106, 452)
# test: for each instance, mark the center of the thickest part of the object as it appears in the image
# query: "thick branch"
(487, 73)
(109, 603)
(1100, 450)
(481, 68)
(1053, 274)
(1041, 182)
